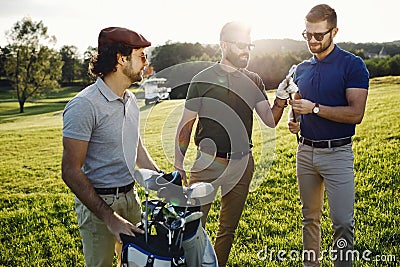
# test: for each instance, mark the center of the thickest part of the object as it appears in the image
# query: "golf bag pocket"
(155, 253)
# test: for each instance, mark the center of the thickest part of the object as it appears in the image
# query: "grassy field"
(38, 225)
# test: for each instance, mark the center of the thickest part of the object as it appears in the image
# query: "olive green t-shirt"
(224, 102)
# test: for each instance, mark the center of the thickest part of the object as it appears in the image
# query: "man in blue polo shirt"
(333, 88)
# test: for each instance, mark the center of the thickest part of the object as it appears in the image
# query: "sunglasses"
(319, 36)
(242, 46)
(143, 56)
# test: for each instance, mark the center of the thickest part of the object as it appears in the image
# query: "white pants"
(199, 251)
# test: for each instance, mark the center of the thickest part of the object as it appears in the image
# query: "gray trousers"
(331, 169)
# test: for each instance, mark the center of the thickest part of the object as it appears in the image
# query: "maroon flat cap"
(125, 36)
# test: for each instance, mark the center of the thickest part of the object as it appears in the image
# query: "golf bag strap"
(150, 261)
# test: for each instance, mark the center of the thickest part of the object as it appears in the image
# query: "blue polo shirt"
(325, 82)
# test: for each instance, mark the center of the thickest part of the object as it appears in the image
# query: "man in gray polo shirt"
(102, 146)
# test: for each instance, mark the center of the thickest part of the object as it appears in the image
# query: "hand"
(294, 127)
(118, 225)
(302, 106)
(182, 172)
(286, 87)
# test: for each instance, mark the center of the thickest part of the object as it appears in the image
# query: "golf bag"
(155, 252)
(168, 224)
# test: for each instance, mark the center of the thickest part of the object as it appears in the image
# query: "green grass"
(37, 218)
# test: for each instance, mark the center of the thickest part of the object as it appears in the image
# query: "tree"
(70, 69)
(3, 55)
(32, 67)
(171, 54)
(84, 66)
(394, 65)
(273, 68)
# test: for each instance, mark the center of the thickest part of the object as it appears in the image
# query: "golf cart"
(154, 92)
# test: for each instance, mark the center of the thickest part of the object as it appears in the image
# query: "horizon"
(77, 23)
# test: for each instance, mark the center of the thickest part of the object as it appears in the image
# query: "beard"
(318, 48)
(238, 60)
(132, 75)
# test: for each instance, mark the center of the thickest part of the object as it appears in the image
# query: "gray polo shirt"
(111, 126)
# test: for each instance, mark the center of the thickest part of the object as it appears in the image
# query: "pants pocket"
(109, 199)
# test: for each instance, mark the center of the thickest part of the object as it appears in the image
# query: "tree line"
(31, 67)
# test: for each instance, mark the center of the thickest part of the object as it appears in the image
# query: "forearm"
(278, 108)
(181, 145)
(352, 113)
(342, 114)
(74, 155)
(81, 186)
(144, 160)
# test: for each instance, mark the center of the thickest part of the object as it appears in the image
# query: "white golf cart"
(153, 92)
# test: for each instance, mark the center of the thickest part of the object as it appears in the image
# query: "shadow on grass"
(65, 92)
(11, 114)
(146, 107)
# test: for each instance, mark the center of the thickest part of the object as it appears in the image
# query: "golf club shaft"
(292, 70)
(147, 217)
(294, 118)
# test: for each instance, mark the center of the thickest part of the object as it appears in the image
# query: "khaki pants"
(99, 244)
(330, 169)
(234, 177)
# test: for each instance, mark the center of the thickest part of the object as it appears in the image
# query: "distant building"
(382, 54)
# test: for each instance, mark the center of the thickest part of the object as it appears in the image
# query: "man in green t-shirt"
(222, 98)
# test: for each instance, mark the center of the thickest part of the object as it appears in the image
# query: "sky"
(78, 23)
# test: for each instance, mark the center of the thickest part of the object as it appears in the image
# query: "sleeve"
(358, 75)
(261, 86)
(261, 95)
(78, 119)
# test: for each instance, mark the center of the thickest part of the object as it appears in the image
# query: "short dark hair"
(105, 62)
(321, 13)
(232, 29)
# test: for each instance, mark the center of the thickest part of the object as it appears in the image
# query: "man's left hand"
(302, 106)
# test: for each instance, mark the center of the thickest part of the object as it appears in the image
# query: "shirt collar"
(108, 93)
(329, 58)
(221, 72)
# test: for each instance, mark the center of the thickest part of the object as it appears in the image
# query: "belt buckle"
(302, 140)
(237, 155)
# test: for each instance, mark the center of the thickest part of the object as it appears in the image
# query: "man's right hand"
(118, 225)
(294, 127)
(182, 172)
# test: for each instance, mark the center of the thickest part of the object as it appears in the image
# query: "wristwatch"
(315, 109)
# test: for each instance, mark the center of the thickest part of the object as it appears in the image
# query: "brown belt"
(228, 155)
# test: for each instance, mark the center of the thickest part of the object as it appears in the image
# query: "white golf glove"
(285, 88)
